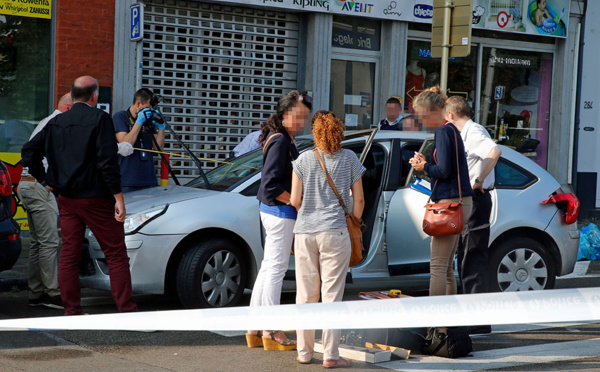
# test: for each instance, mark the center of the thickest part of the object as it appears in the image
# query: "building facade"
(221, 66)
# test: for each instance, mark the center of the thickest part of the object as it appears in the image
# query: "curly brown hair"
(328, 132)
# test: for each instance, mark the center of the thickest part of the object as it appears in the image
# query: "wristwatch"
(289, 202)
(478, 181)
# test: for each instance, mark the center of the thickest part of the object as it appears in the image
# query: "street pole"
(445, 46)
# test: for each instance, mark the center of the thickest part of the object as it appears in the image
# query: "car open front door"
(407, 245)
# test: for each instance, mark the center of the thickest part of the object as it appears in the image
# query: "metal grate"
(221, 70)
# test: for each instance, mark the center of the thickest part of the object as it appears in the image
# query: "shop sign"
(345, 39)
(511, 61)
(27, 8)
(515, 16)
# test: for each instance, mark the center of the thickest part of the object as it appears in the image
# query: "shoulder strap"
(268, 139)
(320, 159)
(457, 168)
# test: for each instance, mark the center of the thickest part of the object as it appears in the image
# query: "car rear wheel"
(521, 264)
(211, 274)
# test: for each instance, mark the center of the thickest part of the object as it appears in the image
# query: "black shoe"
(54, 302)
(38, 301)
(480, 329)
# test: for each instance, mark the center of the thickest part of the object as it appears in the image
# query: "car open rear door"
(407, 245)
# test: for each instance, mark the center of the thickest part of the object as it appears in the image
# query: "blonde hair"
(431, 98)
(459, 106)
(328, 132)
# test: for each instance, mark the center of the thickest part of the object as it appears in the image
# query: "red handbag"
(445, 218)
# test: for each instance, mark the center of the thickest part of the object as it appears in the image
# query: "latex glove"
(143, 115)
(125, 148)
(159, 126)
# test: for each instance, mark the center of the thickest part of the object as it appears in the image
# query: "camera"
(156, 115)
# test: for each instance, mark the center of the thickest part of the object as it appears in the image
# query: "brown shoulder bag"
(445, 218)
(355, 225)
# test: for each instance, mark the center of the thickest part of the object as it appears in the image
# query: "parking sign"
(137, 22)
(499, 92)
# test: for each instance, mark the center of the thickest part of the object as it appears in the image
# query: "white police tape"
(563, 305)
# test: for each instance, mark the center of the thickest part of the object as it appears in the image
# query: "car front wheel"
(211, 274)
(521, 264)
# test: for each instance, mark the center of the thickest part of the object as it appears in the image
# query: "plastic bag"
(589, 243)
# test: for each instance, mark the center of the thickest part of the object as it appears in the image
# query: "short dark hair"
(83, 93)
(393, 100)
(144, 95)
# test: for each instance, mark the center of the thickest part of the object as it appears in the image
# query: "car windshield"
(233, 171)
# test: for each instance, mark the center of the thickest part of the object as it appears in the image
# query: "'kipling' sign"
(324, 4)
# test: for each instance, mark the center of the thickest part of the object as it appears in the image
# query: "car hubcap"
(221, 278)
(522, 270)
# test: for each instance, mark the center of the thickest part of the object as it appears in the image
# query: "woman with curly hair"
(276, 213)
(322, 245)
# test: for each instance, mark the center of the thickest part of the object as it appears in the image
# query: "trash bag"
(589, 243)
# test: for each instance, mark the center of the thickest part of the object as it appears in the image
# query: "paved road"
(540, 347)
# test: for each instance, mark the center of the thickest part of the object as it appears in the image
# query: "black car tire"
(211, 274)
(520, 264)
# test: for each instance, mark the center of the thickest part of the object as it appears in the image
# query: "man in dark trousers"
(482, 156)
(83, 169)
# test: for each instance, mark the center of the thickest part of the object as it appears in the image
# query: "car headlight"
(135, 221)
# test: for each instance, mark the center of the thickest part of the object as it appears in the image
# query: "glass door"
(352, 90)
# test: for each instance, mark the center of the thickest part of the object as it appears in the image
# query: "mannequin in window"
(415, 78)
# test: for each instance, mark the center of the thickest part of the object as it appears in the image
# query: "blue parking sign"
(499, 92)
(137, 22)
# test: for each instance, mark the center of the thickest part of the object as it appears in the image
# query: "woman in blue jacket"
(277, 215)
(442, 169)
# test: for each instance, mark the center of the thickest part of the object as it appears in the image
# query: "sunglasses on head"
(304, 98)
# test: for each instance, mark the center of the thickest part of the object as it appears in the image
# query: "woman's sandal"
(302, 361)
(270, 344)
(254, 340)
(337, 363)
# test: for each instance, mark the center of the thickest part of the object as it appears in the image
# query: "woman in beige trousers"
(322, 245)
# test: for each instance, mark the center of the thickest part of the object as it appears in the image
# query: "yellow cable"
(187, 156)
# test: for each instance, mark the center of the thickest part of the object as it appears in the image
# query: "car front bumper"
(148, 259)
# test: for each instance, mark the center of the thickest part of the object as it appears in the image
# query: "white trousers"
(321, 265)
(276, 259)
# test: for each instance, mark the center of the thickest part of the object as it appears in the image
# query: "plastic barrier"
(562, 305)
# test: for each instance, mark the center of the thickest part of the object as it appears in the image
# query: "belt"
(30, 179)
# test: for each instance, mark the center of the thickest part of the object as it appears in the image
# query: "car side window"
(512, 176)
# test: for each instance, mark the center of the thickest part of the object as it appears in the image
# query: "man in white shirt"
(482, 156)
(42, 215)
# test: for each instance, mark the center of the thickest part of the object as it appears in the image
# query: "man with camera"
(137, 127)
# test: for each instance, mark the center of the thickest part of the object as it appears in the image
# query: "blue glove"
(143, 115)
(157, 124)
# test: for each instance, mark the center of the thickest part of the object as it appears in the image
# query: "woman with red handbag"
(449, 174)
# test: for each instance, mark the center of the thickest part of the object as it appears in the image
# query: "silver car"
(205, 242)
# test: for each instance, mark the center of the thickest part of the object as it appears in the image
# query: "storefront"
(222, 65)
(25, 65)
(25, 81)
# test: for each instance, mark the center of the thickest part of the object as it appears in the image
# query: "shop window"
(515, 100)
(423, 71)
(356, 33)
(24, 78)
(352, 90)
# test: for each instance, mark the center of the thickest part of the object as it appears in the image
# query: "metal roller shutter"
(221, 70)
